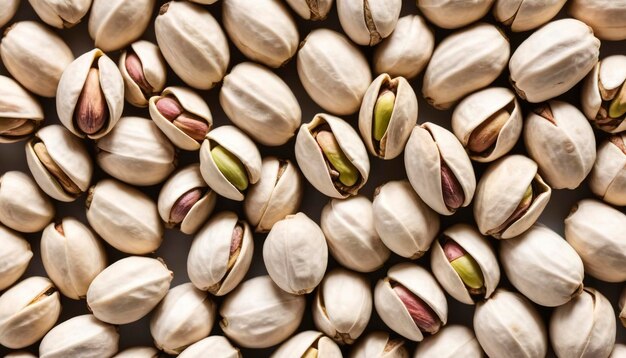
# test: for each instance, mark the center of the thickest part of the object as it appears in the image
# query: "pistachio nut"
(452, 74)
(311, 9)
(220, 254)
(488, 123)
(410, 301)
(185, 316)
(439, 169)
(508, 325)
(114, 24)
(452, 14)
(23, 206)
(387, 115)
(217, 345)
(379, 344)
(20, 112)
(308, 344)
(144, 72)
(20, 354)
(333, 71)
(510, 196)
(603, 95)
(59, 162)
(198, 57)
(405, 224)
(295, 254)
(90, 97)
(622, 307)
(230, 162)
(138, 352)
(60, 13)
(9, 8)
(465, 264)
(128, 289)
(258, 314)
(124, 217)
(278, 193)
(185, 200)
(596, 231)
(584, 327)
(606, 17)
(82, 336)
(561, 141)
(15, 255)
(407, 50)
(524, 15)
(619, 351)
(451, 341)
(332, 156)
(368, 22)
(27, 312)
(263, 30)
(35, 56)
(553, 59)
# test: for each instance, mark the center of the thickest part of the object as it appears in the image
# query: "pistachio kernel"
(54, 170)
(190, 124)
(16, 127)
(453, 195)
(465, 266)
(519, 211)
(423, 316)
(183, 205)
(231, 167)
(383, 110)
(485, 135)
(343, 169)
(311, 352)
(618, 104)
(91, 112)
(134, 67)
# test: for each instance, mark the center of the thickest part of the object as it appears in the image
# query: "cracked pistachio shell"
(343, 305)
(622, 307)
(136, 152)
(239, 145)
(508, 325)
(153, 70)
(23, 206)
(479, 248)
(263, 30)
(480, 107)
(524, 15)
(258, 314)
(333, 71)
(379, 344)
(83, 336)
(114, 24)
(403, 117)
(420, 283)
(348, 225)
(500, 191)
(452, 74)
(278, 193)
(368, 22)
(185, 316)
(180, 183)
(219, 346)
(138, 352)
(584, 327)
(9, 8)
(295, 254)
(596, 231)
(128, 289)
(69, 153)
(17, 104)
(198, 57)
(15, 255)
(606, 17)
(405, 224)
(314, 10)
(313, 162)
(60, 13)
(72, 256)
(124, 217)
(451, 341)
(27, 312)
(259, 102)
(299, 344)
(542, 253)
(452, 14)
(553, 59)
(209, 261)
(407, 50)
(561, 141)
(73, 81)
(429, 145)
(604, 81)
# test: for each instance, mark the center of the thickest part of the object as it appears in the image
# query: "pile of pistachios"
(314, 101)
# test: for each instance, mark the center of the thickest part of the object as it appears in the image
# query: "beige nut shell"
(622, 307)
(59, 13)
(379, 344)
(606, 17)
(315, 10)
(15, 255)
(17, 103)
(297, 345)
(84, 334)
(154, 72)
(10, 8)
(524, 15)
(451, 341)
(608, 176)
(23, 206)
(138, 352)
(113, 24)
(368, 22)
(218, 345)
(452, 14)
(609, 74)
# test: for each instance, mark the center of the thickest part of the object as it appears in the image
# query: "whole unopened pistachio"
(451, 341)
(311, 9)
(606, 17)
(439, 169)
(553, 59)
(60, 13)
(27, 311)
(452, 14)
(124, 217)
(332, 156)
(410, 301)
(114, 24)
(23, 206)
(35, 56)
(596, 231)
(622, 307)
(218, 345)
(452, 74)
(15, 255)
(308, 344)
(20, 112)
(295, 254)
(524, 15)
(81, 335)
(144, 71)
(138, 352)
(9, 8)
(220, 254)
(278, 193)
(508, 325)
(258, 314)
(510, 196)
(584, 327)
(561, 141)
(370, 21)
(379, 344)
(198, 57)
(90, 97)
(603, 94)
(333, 71)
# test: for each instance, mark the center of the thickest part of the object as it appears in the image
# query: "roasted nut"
(20, 112)
(607, 18)
(603, 94)
(9, 8)
(23, 206)
(218, 345)
(114, 24)
(60, 13)
(449, 342)
(452, 14)
(524, 15)
(379, 345)
(83, 335)
(311, 9)
(15, 255)
(143, 68)
(368, 22)
(308, 344)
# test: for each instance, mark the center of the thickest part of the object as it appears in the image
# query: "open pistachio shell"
(524, 15)
(452, 14)
(314, 10)
(298, 345)
(23, 206)
(9, 8)
(15, 255)
(218, 345)
(152, 69)
(379, 344)
(20, 112)
(138, 352)
(452, 341)
(608, 176)
(599, 90)
(368, 22)
(606, 17)
(84, 334)
(113, 24)
(61, 14)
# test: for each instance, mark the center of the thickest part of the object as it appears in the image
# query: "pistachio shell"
(311, 9)
(59, 13)
(15, 255)
(218, 345)
(524, 15)
(20, 354)
(81, 335)
(452, 14)
(606, 17)
(298, 345)
(114, 24)
(451, 341)
(619, 351)
(608, 75)
(17, 104)
(368, 22)
(9, 8)
(622, 307)
(379, 344)
(23, 206)
(153, 70)
(138, 352)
